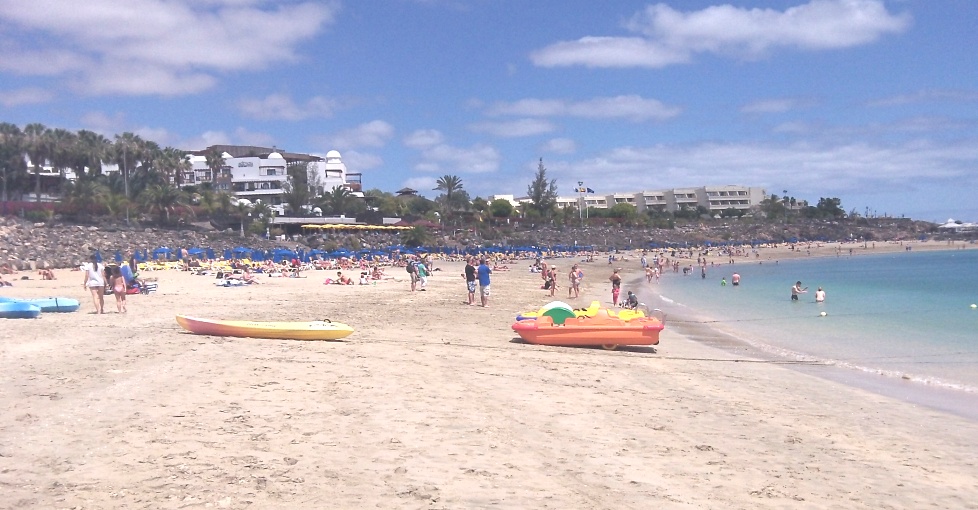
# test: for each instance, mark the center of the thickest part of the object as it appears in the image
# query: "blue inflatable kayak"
(18, 310)
(54, 304)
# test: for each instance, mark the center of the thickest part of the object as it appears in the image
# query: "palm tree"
(338, 200)
(62, 145)
(127, 151)
(295, 194)
(417, 236)
(241, 209)
(450, 184)
(215, 161)
(115, 203)
(85, 194)
(11, 155)
(163, 199)
(91, 150)
(173, 163)
(36, 145)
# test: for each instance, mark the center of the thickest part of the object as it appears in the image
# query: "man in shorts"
(412, 270)
(483, 273)
(469, 275)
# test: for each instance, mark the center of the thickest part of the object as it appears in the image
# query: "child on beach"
(615, 285)
(118, 285)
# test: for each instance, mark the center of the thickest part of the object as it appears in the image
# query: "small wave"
(918, 379)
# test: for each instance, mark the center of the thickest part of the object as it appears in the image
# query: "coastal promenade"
(435, 404)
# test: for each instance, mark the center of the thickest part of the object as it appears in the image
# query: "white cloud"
(421, 183)
(153, 46)
(375, 133)
(140, 78)
(359, 161)
(818, 168)
(631, 107)
(479, 158)
(513, 129)
(29, 95)
(103, 123)
(927, 96)
(281, 106)
(206, 139)
(424, 138)
(666, 36)
(437, 156)
(244, 136)
(560, 146)
(781, 105)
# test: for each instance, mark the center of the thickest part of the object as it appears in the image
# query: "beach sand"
(433, 404)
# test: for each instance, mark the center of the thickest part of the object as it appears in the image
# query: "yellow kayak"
(316, 330)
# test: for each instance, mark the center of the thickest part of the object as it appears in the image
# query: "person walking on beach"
(412, 270)
(615, 279)
(574, 279)
(819, 295)
(483, 273)
(422, 273)
(95, 282)
(469, 275)
(551, 281)
(118, 285)
(796, 289)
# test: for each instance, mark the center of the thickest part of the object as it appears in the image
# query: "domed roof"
(275, 155)
(333, 154)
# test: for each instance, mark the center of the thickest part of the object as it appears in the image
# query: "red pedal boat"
(601, 329)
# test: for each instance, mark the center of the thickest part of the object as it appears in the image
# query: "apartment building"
(713, 198)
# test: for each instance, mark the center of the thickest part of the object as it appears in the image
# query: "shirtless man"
(796, 289)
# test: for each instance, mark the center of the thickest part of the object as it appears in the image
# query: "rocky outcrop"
(25, 245)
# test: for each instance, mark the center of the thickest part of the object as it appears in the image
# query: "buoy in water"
(823, 314)
(973, 305)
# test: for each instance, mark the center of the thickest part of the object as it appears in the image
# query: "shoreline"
(432, 403)
(701, 326)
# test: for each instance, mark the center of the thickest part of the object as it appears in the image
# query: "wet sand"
(433, 404)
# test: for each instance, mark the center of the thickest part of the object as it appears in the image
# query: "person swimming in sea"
(819, 295)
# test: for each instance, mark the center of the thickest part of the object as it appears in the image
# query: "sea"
(901, 324)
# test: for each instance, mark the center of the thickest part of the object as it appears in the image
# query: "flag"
(581, 190)
(589, 190)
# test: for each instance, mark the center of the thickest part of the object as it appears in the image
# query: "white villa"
(259, 174)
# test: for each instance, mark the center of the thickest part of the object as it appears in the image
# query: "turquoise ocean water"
(900, 323)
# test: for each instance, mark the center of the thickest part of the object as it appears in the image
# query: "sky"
(874, 102)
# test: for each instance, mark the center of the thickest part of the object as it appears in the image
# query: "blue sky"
(871, 101)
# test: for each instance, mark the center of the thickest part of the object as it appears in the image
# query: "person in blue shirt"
(483, 273)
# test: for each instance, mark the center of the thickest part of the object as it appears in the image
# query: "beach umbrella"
(162, 252)
(210, 254)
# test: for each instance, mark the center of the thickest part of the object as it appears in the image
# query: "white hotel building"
(259, 173)
(714, 198)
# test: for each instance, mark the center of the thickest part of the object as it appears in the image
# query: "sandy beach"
(435, 404)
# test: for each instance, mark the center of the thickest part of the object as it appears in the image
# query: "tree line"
(150, 183)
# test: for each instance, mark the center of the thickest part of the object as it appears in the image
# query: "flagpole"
(580, 207)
